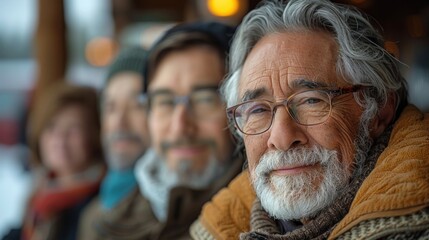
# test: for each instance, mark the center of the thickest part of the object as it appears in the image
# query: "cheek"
(216, 131)
(44, 141)
(344, 129)
(156, 131)
(108, 123)
(139, 125)
(255, 148)
(80, 143)
(46, 148)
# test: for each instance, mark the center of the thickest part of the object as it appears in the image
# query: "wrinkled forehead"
(288, 80)
(290, 61)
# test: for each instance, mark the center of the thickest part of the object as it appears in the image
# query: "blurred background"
(45, 41)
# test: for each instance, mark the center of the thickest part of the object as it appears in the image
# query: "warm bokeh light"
(99, 52)
(392, 48)
(223, 8)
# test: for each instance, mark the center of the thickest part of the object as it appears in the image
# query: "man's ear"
(384, 117)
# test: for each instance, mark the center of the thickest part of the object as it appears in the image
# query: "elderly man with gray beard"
(333, 149)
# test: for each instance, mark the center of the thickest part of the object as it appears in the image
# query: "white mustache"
(295, 157)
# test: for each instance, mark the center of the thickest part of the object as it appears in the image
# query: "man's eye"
(204, 97)
(308, 102)
(166, 102)
(258, 109)
(206, 100)
(312, 100)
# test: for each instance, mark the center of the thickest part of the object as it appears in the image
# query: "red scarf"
(49, 201)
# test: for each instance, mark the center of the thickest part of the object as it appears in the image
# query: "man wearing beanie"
(192, 153)
(116, 212)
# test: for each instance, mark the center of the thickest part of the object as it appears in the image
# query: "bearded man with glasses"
(333, 149)
(192, 155)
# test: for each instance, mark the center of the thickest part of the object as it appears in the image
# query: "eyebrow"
(159, 91)
(306, 83)
(205, 87)
(296, 84)
(252, 94)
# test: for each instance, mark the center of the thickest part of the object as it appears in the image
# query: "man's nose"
(182, 121)
(122, 118)
(285, 133)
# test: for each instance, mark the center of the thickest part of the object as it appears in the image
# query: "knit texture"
(132, 59)
(412, 226)
(219, 32)
(400, 185)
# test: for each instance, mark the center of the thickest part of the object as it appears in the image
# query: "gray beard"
(121, 161)
(156, 180)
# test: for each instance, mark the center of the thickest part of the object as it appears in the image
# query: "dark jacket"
(133, 218)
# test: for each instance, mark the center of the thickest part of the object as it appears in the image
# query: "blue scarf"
(116, 186)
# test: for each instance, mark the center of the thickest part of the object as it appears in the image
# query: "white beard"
(301, 195)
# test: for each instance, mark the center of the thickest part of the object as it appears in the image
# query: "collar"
(399, 184)
(116, 186)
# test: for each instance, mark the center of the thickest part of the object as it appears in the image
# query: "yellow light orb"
(223, 8)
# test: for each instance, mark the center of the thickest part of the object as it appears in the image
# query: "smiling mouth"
(186, 151)
(293, 170)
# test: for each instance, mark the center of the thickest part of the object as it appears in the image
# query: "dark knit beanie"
(218, 34)
(129, 59)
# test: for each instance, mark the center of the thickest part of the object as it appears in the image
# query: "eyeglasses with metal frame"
(308, 108)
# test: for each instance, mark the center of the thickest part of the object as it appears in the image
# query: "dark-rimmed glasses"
(203, 102)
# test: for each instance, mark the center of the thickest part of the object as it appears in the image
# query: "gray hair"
(362, 59)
